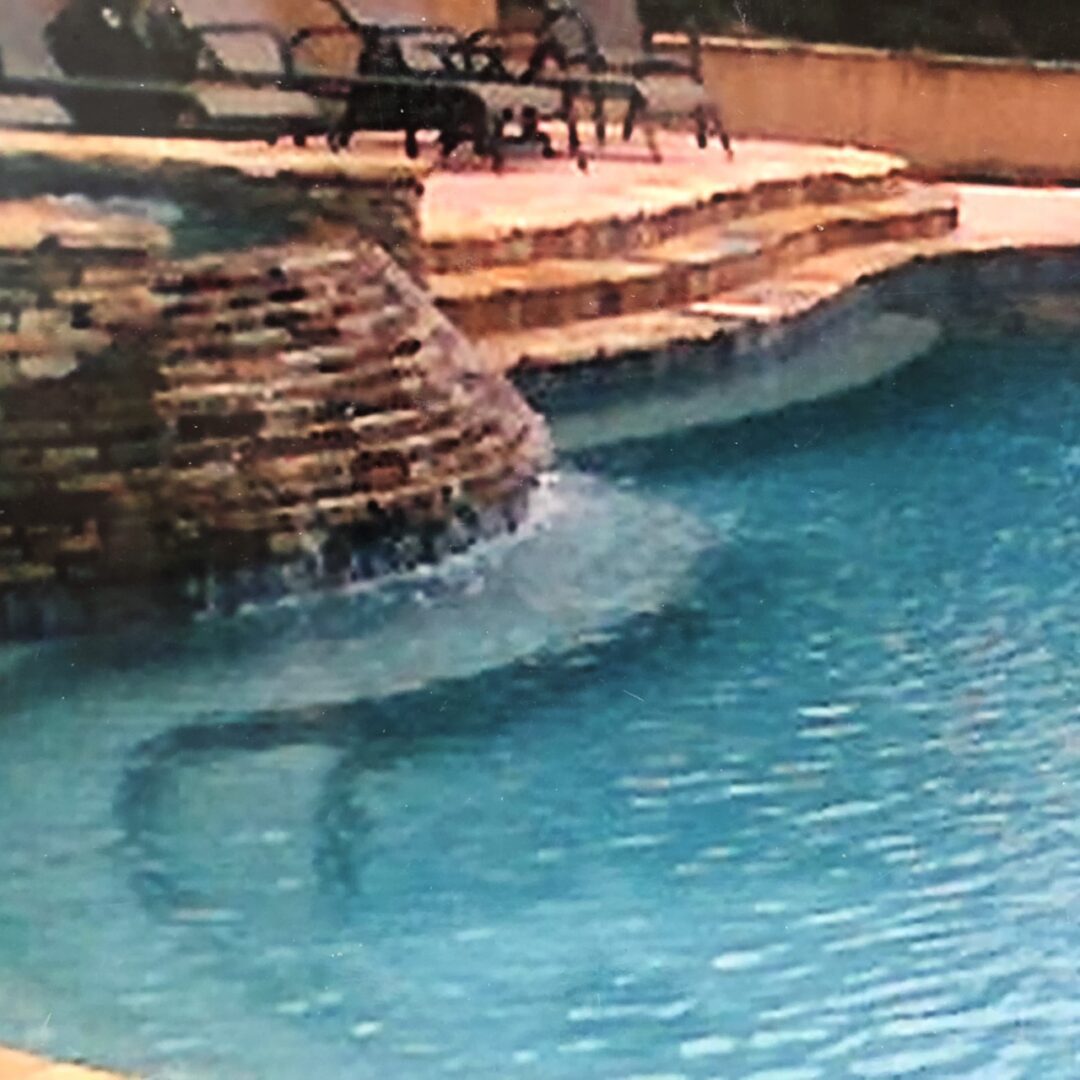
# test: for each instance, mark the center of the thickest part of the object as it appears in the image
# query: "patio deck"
(623, 183)
(546, 266)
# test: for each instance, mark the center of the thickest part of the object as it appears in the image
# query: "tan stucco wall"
(468, 14)
(334, 54)
(955, 116)
(463, 14)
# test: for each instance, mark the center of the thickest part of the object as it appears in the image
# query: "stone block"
(67, 459)
(219, 409)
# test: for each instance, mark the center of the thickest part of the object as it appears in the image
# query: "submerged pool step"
(733, 319)
(589, 340)
(688, 269)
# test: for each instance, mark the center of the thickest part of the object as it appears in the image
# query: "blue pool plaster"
(756, 756)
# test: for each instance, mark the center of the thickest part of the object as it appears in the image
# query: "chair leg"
(631, 119)
(488, 140)
(573, 136)
(341, 132)
(648, 124)
(569, 116)
(701, 126)
(721, 132)
(600, 118)
(449, 140)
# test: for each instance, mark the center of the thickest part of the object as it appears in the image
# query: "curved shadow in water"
(370, 736)
(606, 582)
(853, 348)
(350, 681)
(916, 398)
(140, 797)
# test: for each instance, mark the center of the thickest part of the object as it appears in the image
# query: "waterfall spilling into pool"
(753, 754)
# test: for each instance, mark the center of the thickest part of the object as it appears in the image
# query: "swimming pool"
(757, 756)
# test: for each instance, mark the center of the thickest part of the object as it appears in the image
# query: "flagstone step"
(548, 293)
(726, 257)
(740, 317)
(683, 270)
(590, 340)
(645, 215)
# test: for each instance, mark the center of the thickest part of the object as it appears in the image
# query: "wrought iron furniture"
(665, 88)
(110, 74)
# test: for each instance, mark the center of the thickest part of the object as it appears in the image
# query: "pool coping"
(18, 1065)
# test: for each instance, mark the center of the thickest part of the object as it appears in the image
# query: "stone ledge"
(15, 1065)
(316, 193)
(991, 220)
(30, 224)
(740, 321)
(252, 159)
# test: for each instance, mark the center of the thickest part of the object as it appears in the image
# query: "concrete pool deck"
(993, 217)
(19, 1066)
(624, 185)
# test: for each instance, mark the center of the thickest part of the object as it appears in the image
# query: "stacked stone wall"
(211, 430)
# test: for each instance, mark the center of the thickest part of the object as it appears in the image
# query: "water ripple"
(814, 816)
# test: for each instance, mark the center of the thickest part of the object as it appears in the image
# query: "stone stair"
(766, 256)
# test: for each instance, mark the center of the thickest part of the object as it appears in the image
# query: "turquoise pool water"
(757, 757)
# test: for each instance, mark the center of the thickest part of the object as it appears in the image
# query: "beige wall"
(331, 54)
(949, 115)
(24, 51)
(467, 14)
(463, 14)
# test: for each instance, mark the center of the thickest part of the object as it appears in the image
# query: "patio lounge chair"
(596, 55)
(104, 74)
(413, 78)
(601, 40)
(470, 75)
